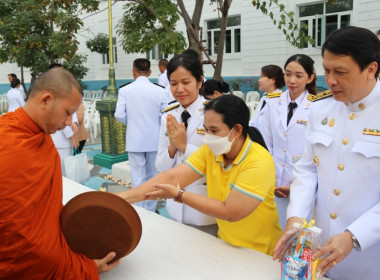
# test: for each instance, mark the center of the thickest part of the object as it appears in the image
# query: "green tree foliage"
(147, 23)
(36, 33)
(294, 34)
(99, 44)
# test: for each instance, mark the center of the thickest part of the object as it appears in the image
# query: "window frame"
(106, 56)
(322, 37)
(212, 48)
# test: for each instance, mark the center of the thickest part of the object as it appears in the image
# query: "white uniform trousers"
(282, 204)
(142, 169)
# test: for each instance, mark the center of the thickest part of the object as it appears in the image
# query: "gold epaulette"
(319, 96)
(274, 94)
(170, 108)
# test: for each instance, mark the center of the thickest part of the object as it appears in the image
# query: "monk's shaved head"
(58, 81)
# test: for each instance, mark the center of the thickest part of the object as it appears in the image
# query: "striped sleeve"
(197, 160)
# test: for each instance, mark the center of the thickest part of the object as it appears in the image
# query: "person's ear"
(238, 129)
(200, 83)
(311, 78)
(371, 70)
(45, 100)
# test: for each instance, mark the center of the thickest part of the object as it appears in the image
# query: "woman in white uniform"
(285, 123)
(271, 81)
(14, 96)
(182, 133)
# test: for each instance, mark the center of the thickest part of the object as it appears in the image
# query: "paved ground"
(97, 173)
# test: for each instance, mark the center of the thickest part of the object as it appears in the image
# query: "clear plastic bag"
(297, 263)
(76, 168)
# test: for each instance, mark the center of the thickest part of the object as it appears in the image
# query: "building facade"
(252, 40)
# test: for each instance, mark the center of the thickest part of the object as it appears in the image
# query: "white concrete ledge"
(122, 171)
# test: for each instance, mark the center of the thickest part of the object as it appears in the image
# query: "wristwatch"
(355, 242)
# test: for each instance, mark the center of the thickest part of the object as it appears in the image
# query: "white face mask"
(217, 144)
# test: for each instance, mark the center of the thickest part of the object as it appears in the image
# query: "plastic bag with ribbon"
(297, 263)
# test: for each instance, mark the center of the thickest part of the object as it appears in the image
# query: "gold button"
(345, 141)
(284, 150)
(340, 166)
(361, 106)
(316, 160)
(285, 134)
(337, 192)
(282, 165)
(333, 216)
(352, 116)
(180, 154)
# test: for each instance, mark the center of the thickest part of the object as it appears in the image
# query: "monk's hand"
(176, 133)
(292, 229)
(104, 265)
(282, 191)
(163, 191)
(335, 250)
(74, 127)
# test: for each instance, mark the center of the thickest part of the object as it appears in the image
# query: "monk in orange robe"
(32, 245)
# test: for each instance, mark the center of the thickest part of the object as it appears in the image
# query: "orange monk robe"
(32, 245)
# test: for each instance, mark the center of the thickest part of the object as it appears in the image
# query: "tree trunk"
(224, 6)
(192, 24)
(23, 83)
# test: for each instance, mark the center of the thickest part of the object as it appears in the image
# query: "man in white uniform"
(163, 77)
(338, 175)
(139, 106)
(62, 141)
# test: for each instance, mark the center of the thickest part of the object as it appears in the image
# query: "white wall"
(262, 42)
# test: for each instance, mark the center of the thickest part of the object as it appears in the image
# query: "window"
(156, 53)
(233, 39)
(106, 56)
(320, 19)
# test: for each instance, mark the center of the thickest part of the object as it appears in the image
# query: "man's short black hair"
(359, 43)
(13, 75)
(142, 65)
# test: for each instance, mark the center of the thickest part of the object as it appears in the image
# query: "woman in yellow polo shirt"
(240, 176)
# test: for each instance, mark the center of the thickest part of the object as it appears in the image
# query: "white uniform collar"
(141, 78)
(367, 101)
(195, 106)
(299, 99)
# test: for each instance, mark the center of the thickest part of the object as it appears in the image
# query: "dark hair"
(378, 32)
(190, 63)
(163, 62)
(308, 65)
(359, 43)
(55, 65)
(191, 52)
(211, 85)
(234, 111)
(142, 65)
(274, 72)
(13, 75)
(15, 82)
